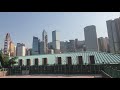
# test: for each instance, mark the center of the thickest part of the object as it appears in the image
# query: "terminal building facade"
(73, 58)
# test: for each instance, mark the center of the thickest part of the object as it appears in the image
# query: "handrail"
(104, 74)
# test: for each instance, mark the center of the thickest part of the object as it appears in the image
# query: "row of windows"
(59, 61)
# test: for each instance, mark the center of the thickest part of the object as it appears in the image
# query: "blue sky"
(22, 26)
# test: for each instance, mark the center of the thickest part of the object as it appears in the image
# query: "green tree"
(6, 61)
(12, 61)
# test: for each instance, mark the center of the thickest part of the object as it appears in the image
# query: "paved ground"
(53, 76)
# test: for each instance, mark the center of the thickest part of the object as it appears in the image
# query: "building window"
(59, 61)
(20, 62)
(91, 60)
(44, 62)
(6, 42)
(28, 62)
(69, 61)
(80, 60)
(36, 61)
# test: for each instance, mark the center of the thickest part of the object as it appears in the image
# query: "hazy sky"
(22, 26)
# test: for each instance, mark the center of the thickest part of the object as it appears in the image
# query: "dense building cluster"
(91, 43)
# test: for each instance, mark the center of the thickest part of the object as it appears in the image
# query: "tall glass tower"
(36, 46)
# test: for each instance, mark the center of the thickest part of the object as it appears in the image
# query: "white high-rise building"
(56, 39)
(21, 50)
(91, 41)
(113, 28)
(45, 41)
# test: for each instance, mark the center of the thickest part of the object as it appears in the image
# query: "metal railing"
(114, 72)
(56, 69)
(111, 69)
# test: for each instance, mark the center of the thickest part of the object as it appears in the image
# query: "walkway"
(53, 76)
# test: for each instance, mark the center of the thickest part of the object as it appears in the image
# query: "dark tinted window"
(20, 62)
(28, 62)
(59, 61)
(91, 60)
(36, 61)
(80, 60)
(44, 61)
(69, 60)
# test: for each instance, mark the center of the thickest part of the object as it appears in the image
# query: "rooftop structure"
(73, 57)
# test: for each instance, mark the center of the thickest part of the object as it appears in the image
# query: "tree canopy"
(6, 61)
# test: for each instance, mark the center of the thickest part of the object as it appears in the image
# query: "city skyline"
(23, 26)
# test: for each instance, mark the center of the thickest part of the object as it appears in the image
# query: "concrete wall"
(3, 73)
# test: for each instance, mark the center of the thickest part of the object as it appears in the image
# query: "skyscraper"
(56, 41)
(12, 49)
(106, 44)
(91, 41)
(76, 43)
(9, 46)
(21, 50)
(45, 40)
(42, 49)
(103, 44)
(36, 46)
(113, 28)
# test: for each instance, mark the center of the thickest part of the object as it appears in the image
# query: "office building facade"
(45, 41)
(12, 49)
(36, 46)
(91, 41)
(56, 41)
(50, 46)
(42, 49)
(21, 50)
(9, 47)
(63, 47)
(113, 28)
(71, 46)
(28, 51)
(7, 44)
